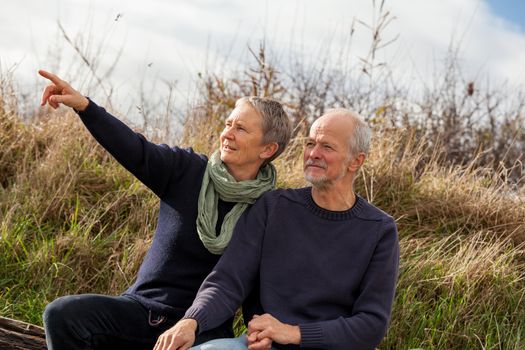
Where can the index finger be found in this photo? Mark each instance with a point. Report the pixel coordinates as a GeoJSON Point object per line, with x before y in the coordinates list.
{"type": "Point", "coordinates": [55, 79]}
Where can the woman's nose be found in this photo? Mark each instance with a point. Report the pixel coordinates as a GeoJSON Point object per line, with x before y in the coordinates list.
{"type": "Point", "coordinates": [228, 132]}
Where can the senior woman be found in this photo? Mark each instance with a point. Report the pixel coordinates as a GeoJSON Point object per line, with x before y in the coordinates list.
{"type": "Point", "coordinates": [200, 202]}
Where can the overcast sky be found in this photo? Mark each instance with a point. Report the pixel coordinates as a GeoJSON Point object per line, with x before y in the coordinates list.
{"type": "Point", "coordinates": [175, 39]}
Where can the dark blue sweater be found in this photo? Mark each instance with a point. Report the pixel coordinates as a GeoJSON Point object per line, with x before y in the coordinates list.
{"type": "Point", "coordinates": [177, 262]}
{"type": "Point", "coordinates": [331, 273]}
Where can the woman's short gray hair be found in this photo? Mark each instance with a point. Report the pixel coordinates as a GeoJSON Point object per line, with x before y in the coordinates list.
{"type": "Point", "coordinates": [276, 124]}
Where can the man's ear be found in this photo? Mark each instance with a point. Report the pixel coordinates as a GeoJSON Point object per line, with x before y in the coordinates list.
{"type": "Point", "coordinates": [269, 150]}
{"type": "Point", "coordinates": [356, 162]}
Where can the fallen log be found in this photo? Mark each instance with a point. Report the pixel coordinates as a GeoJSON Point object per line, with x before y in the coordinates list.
{"type": "Point", "coordinates": [18, 335]}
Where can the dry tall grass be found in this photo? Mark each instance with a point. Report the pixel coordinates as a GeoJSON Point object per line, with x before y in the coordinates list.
{"type": "Point", "coordinates": [74, 221]}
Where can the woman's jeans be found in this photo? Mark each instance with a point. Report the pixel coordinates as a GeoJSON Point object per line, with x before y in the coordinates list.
{"type": "Point", "coordinates": [91, 321]}
{"type": "Point", "coordinates": [225, 344]}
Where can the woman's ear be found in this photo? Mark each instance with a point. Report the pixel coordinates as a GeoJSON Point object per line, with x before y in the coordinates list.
{"type": "Point", "coordinates": [269, 150]}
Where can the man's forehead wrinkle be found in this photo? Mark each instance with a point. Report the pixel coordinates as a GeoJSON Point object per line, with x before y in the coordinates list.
{"type": "Point", "coordinates": [317, 129]}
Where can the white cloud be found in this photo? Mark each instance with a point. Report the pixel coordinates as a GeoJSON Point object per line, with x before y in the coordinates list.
{"type": "Point", "coordinates": [487, 43]}
{"type": "Point", "coordinates": [178, 35]}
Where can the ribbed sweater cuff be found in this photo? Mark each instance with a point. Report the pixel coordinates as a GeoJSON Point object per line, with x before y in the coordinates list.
{"type": "Point", "coordinates": [311, 335]}
{"type": "Point", "coordinates": [91, 105]}
{"type": "Point", "coordinates": [198, 315]}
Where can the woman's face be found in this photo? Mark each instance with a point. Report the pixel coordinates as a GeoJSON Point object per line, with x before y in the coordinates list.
{"type": "Point", "coordinates": [242, 148]}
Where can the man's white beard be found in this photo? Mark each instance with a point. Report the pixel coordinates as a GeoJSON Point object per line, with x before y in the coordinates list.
{"type": "Point", "coordinates": [319, 182]}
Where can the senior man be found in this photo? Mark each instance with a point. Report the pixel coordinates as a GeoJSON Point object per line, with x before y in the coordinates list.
{"type": "Point", "coordinates": [325, 262]}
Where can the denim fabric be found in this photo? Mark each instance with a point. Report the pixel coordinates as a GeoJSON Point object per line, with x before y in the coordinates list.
{"type": "Point", "coordinates": [225, 344]}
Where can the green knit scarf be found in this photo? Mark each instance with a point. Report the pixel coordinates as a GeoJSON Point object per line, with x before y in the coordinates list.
{"type": "Point", "coordinates": [219, 183]}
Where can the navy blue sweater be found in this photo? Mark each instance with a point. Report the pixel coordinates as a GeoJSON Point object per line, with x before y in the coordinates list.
{"type": "Point", "coordinates": [331, 273]}
{"type": "Point", "coordinates": [177, 262]}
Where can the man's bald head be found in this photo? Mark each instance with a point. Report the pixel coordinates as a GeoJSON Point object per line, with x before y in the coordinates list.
{"type": "Point", "coordinates": [352, 124]}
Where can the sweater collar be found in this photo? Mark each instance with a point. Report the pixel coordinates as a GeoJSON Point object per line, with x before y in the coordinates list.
{"type": "Point", "coordinates": [306, 193]}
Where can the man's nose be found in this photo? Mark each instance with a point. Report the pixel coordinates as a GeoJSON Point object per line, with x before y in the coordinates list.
{"type": "Point", "coordinates": [314, 152]}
